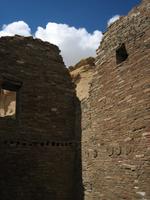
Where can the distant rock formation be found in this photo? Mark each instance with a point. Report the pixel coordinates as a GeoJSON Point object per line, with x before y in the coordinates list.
{"type": "Point", "coordinates": [82, 74]}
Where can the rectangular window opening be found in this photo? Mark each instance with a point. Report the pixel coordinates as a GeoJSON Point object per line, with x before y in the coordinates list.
{"type": "Point", "coordinates": [7, 103]}
{"type": "Point", "coordinates": [8, 98]}
{"type": "Point", "coordinates": [121, 54]}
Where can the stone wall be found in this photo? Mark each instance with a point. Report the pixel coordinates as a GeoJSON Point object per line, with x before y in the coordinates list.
{"type": "Point", "coordinates": [40, 147]}
{"type": "Point", "coordinates": [38, 153]}
{"type": "Point", "coordinates": [115, 116]}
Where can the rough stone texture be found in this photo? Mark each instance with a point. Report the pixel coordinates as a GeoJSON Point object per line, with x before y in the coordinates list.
{"type": "Point", "coordinates": [82, 74]}
{"type": "Point", "coordinates": [116, 115]}
{"type": "Point", "coordinates": [38, 151]}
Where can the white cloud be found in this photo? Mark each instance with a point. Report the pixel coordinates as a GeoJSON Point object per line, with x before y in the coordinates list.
{"type": "Point", "coordinates": [15, 28]}
{"type": "Point", "coordinates": [112, 20]}
{"type": "Point", "coordinates": [74, 43]}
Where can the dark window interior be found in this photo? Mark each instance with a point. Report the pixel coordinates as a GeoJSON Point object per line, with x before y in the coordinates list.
{"type": "Point", "coordinates": [121, 54]}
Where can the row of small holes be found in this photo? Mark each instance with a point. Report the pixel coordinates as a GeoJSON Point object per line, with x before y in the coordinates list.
{"type": "Point", "coordinates": [41, 143]}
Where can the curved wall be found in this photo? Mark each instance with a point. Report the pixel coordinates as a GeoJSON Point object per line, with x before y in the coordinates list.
{"type": "Point", "coordinates": [37, 146]}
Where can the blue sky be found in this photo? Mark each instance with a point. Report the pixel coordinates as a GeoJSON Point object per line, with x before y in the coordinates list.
{"type": "Point", "coordinates": [76, 27]}
{"type": "Point", "coordinates": [91, 14]}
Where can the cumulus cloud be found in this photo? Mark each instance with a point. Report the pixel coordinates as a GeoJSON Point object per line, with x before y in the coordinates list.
{"type": "Point", "coordinates": [74, 43]}
{"type": "Point", "coordinates": [15, 28]}
{"type": "Point", "coordinates": [112, 20]}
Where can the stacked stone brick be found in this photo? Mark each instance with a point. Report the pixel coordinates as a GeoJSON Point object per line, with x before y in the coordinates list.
{"type": "Point", "coordinates": [115, 116]}
{"type": "Point", "coordinates": [38, 146]}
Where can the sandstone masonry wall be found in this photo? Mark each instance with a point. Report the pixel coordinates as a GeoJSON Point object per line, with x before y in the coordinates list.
{"type": "Point", "coordinates": [37, 148]}
{"type": "Point", "coordinates": [40, 147]}
{"type": "Point", "coordinates": [115, 116]}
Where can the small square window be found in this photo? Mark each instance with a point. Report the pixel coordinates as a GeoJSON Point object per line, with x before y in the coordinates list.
{"type": "Point", "coordinates": [121, 54]}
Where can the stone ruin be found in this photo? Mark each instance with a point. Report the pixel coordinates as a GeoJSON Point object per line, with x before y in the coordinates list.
{"type": "Point", "coordinates": [54, 146]}
{"type": "Point", "coordinates": [39, 157]}
{"type": "Point", "coordinates": [116, 111]}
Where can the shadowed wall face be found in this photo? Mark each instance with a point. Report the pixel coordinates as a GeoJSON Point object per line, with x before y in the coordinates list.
{"type": "Point", "coordinates": [37, 122]}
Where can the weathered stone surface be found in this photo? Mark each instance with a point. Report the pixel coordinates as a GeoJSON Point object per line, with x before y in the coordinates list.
{"type": "Point", "coordinates": [115, 115]}
{"type": "Point", "coordinates": [40, 147]}
{"type": "Point", "coordinates": [38, 154]}
{"type": "Point", "coordinates": [82, 74]}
